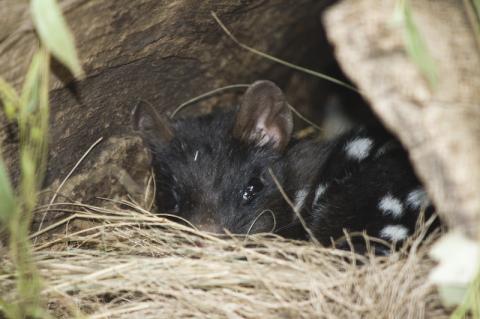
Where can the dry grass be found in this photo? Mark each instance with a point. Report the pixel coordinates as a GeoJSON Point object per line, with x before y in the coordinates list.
{"type": "Point", "coordinates": [133, 264]}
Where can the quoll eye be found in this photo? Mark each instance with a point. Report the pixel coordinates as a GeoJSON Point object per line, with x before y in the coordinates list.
{"type": "Point", "coordinates": [254, 186]}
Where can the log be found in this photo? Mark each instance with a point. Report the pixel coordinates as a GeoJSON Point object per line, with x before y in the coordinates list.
{"type": "Point", "coordinates": [164, 52]}
{"type": "Point", "coordinates": [439, 126]}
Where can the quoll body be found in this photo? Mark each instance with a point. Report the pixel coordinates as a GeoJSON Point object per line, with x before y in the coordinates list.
{"type": "Point", "coordinates": [241, 171]}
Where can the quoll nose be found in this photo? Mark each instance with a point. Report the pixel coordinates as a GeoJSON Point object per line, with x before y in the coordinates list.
{"type": "Point", "coordinates": [210, 228]}
{"type": "Point", "coordinates": [207, 220]}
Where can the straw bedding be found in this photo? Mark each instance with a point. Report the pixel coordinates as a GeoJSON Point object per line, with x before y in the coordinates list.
{"type": "Point", "coordinates": [132, 264]}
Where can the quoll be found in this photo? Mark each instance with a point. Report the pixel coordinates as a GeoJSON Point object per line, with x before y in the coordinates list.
{"type": "Point", "coordinates": [222, 171]}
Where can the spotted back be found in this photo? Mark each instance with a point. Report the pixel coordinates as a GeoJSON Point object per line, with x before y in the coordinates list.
{"type": "Point", "coordinates": [366, 184]}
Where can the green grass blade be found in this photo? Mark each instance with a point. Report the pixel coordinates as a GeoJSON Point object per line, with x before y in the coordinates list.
{"type": "Point", "coordinates": [9, 98]}
{"type": "Point", "coordinates": [470, 308]}
{"type": "Point", "coordinates": [55, 33]}
{"type": "Point", "coordinates": [29, 97]}
{"type": "Point", "coordinates": [31, 112]}
{"type": "Point", "coordinates": [7, 196]}
{"type": "Point", "coordinates": [33, 122]}
{"type": "Point", "coordinates": [476, 4]}
{"type": "Point", "coordinates": [415, 43]}
{"type": "Point", "coordinates": [33, 131]}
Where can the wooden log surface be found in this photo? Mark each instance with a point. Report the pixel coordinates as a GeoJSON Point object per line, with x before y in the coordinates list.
{"type": "Point", "coordinates": [164, 52]}
{"type": "Point", "coordinates": [440, 126]}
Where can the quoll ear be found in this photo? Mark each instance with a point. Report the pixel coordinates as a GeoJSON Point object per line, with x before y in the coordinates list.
{"type": "Point", "coordinates": [153, 127]}
{"type": "Point", "coordinates": [264, 117]}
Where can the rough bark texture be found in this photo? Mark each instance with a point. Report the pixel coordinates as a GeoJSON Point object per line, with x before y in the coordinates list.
{"type": "Point", "coordinates": [440, 127]}
{"type": "Point", "coordinates": [164, 52]}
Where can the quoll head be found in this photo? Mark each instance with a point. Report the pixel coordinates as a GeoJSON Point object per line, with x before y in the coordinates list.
{"type": "Point", "coordinates": [213, 170]}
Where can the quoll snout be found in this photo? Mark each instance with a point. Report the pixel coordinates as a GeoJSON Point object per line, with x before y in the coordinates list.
{"type": "Point", "coordinates": [221, 172]}
{"type": "Point", "coordinates": [209, 225]}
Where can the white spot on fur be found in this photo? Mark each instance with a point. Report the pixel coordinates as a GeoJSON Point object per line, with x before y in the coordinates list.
{"type": "Point", "coordinates": [195, 157]}
{"type": "Point", "coordinates": [417, 198]}
{"type": "Point", "coordinates": [391, 206]}
{"type": "Point", "coordinates": [319, 192]}
{"type": "Point", "coordinates": [300, 197]}
{"type": "Point", "coordinates": [359, 148]}
{"type": "Point", "coordinates": [394, 232]}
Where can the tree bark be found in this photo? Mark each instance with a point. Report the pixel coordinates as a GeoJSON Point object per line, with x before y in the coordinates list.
{"type": "Point", "coordinates": [164, 52]}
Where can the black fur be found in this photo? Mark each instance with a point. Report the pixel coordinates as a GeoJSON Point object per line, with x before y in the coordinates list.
{"type": "Point", "coordinates": [354, 188]}
{"type": "Point", "coordinates": [217, 171]}
{"type": "Point", "coordinates": [207, 170]}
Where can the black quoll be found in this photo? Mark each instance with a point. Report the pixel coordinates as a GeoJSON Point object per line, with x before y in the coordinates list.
{"type": "Point", "coordinates": [232, 171]}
